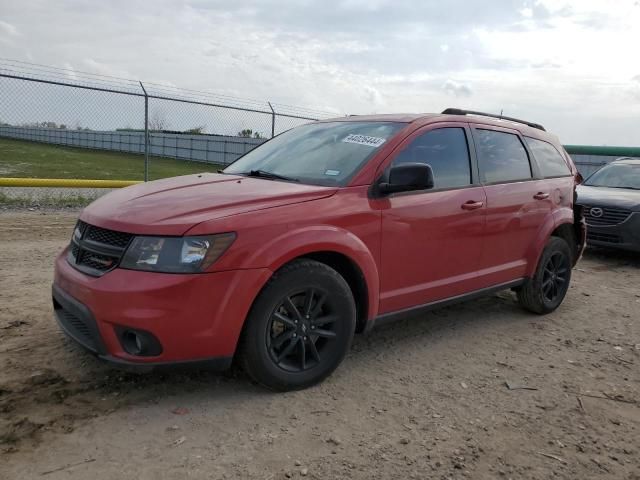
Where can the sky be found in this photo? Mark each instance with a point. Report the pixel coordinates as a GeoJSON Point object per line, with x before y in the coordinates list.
{"type": "Point", "coordinates": [573, 66]}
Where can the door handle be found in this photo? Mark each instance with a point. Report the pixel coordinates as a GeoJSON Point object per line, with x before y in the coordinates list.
{"type": "Point", "coordinates": [541, 196]}
{"type": "Point", "coordinates": [471, 205]}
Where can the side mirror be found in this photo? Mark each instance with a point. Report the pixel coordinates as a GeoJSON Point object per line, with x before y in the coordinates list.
{"type": "Point", "coordinates": [407, 177]}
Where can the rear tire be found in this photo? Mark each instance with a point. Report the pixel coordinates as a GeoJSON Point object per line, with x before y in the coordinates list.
{"type": "Point", "coordinates": [545, 291]}
{"type": "Point", "coordinates": [299, 328]}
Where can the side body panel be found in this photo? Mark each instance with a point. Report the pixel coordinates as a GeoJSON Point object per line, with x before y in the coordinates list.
{"type": "Point", "coordinates": [514, 219]}
{"type": "Point", "coordinates": [521, 215]}
{"type": "Point", "coordinates": [431, 245]}
{"type": "Point", "coordinates": [562, 213]}
{"type": "Point", "coordinates": [345, 223]}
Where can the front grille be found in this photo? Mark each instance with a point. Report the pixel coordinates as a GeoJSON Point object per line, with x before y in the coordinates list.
{"type": "Point", "coordinates": [108, 237]}
{"type": "Point", "coordinates": [603, 237]}
{"type": "Point", "coordinates": [597, 216]}
{"type": "Point", "coordinates": [96, 261]}
{"type": "Point", "coordinates": [95, 250]}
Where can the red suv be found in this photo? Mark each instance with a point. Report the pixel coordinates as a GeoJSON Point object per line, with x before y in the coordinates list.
{"type": "Point", "coordinates": [326, 230]}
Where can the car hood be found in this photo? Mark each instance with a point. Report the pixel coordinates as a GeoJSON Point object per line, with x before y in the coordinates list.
{"type": "Point", "coordinates": [609, 197]}
{"type": "Point", "coordinates": [174, 205]}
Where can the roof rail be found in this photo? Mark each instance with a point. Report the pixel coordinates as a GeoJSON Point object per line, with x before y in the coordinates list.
{"type": "Point", "coordinates": [458, 111]}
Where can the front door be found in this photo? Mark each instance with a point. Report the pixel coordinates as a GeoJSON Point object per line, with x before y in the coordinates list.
{"type": "Point", "coordinates": [432, 240]}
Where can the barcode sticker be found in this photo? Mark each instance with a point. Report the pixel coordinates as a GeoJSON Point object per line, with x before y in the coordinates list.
{"type": "Point", "coordinates": [374, 142]}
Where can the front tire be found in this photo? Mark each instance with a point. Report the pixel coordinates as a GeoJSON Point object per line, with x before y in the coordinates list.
{"type": "Point", "coordinates": [299, 328]}
{"type": "Point", "coordinates": [545, 291]}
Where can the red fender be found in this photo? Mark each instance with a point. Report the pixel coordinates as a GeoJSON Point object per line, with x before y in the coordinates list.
{"type": "Point", "coordinates": [296, 243]}
{"type": "Point", "coordinates": [554, 220]}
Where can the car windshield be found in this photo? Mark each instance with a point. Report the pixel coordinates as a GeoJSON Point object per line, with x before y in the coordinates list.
{"type": "Point", "coordinates": [326, 153]}
{"type": "Point", "coordinates": [617, 175]}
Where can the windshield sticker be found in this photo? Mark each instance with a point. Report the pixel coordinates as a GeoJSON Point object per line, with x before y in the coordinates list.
{"type": "Point", "coordinates": [374, 142]}
{"type": "Point", "coordinates": [333, 173]}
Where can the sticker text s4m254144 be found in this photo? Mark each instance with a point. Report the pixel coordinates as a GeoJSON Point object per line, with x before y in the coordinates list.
{"type": "Point", "coordinates": [374, 142]}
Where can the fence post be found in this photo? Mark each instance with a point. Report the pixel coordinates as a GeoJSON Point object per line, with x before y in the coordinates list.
{"type": "Point", "coordinates": [273, 120]}
{"type": "Point", "coordinates": [146, 133]}
{"type": "Point", "coordinates": [224, 151]}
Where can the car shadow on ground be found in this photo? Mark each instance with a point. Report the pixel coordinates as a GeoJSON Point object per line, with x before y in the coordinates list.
{"type": "Point", "coordinates": [390, 340]}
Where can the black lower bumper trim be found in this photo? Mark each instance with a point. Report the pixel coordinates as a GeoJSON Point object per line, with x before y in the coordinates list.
{"type": "Point", "coordinates": [77, 321]}
{"type": "Point", "coordinates": [214, 364]}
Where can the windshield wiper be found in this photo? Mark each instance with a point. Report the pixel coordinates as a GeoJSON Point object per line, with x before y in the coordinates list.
{"type": "Point", "coordinates": [268, 175]}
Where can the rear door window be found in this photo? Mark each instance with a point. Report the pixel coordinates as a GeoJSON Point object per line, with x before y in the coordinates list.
{"type": "Point", "coordinates": [549, 159]}
{"type": "Point", "coordinates": [501, 157]}
{"type": "Point", "coordinates": [446, 151]}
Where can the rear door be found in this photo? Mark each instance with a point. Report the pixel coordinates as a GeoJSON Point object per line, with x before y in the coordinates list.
{"type": "Point", "coordinates": [518, 202]}
{"type": "Point", "coordinates": [554, 168]}
{"type": "Point", "coordinates": [432, 239]}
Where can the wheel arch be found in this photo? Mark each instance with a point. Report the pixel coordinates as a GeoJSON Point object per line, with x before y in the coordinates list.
{"type": "Point", "coordinates": [337, 248]}
{"type": "Point", "coordinates": [351, 272]}
{"type": "Point", "coordinates": [567, 232]}
{"type": "Point", "coordinates": [559, 223]}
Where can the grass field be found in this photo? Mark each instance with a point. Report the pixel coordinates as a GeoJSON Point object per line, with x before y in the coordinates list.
{"type": "Point", "coordinates": [19, 158]}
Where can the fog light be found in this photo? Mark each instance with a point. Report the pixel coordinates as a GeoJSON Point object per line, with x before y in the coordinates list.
{"type": "Point", "coordinates": [132, 343]}
{"type": "Point", "coordinates": [139, 342]}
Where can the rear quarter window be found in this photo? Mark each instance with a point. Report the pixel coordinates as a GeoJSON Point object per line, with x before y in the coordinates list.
{"type": "Point", "coordinates": [551, 163]}
{"type": "Point", "coordinates": [502, 157]}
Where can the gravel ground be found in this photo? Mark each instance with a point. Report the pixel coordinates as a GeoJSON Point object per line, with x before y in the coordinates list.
{"type": "Point", "coordinates": [422, 398]}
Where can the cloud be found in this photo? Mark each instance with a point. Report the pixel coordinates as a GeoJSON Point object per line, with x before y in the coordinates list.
{"type": "Point", "coordinates": [534, 58]}
{"type": "Point", "coordinates": [398, 79]}
{"type": "Point", "coordinates": [635, 88]}
{"type": "Point", "coordinates": [101, 68]}
{"type": "Point", "coordinates": [8, 29]}
{"type": "Point", "coordinates": [457, 89]}
{"type": "Point", "coordinates": [527, 12]}
{"type": "Point", "coordinates": [70, 71]}
{"type": "Point", "coordinates": [373, 96]}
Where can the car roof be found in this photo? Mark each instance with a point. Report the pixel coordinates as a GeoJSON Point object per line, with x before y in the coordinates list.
{"type": "Point", "coordinates": [383, 117]}
{"type": "Point", "coordinates": [627, 161]}
{"type": "Point", "coordinates": [427, 118]}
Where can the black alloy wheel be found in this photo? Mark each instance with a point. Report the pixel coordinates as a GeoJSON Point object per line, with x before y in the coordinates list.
{"type": "Point", "coordinates": [546, 289]}
{"type": "Point", "coordinates": [554, 277]}
{"type": "Point", "coordinates": [300, 327]}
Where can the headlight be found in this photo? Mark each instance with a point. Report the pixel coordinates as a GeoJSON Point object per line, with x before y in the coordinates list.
{"type": "Point", "coordinates": [176, 254]}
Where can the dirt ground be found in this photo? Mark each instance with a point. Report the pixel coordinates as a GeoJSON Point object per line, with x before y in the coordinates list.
{"type": "Point", "coordinates": [421, 398]}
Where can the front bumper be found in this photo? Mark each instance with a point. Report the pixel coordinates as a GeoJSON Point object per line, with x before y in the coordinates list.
{"type": "Point", "coordinates": [623, 236]}
{"type": "Point", "coordinates": [195, 318]}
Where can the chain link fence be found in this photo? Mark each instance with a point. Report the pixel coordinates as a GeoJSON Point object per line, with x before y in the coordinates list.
{"type": "Point", "coordinates": [60, 123]}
